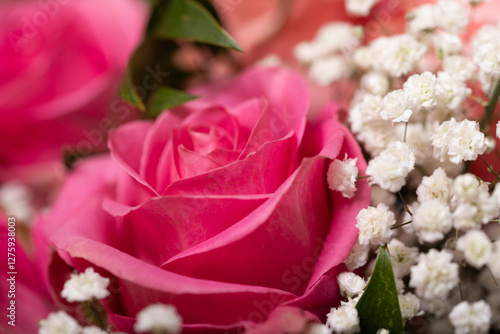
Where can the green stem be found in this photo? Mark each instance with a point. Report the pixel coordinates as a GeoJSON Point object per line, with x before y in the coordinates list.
{"type": "Point", "coordinates": [490, 108]}
{"type": "Point", "coordinates": [490, 168]}
{"type": "Point", "coordinates": [403, 224]}
{"type": "Point", "coordinates": [406, 208]}
{"type": "Point", "coordinates": [95, 313]}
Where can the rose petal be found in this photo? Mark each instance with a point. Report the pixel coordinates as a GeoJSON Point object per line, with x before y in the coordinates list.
{"type": "Point", "coordinates": [235, 255]}
{"type": "Point", "coordinates": [127, 144]}
{"type": "Point", "coordinates": [343, 232]}
{"type": "Point", "coordinates": [259, 173]}
{"type": "Point", "coordinates": [284, 320]}
{"type": "Point", "coordinates": [285, 92]}
{"type": "Point", "coordinates": [163, 227]}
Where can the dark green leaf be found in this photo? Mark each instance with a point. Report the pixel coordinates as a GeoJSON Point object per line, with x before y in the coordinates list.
{"type": "Point", "coordinates": [189, 19]}
{"type": "Point", "coordinates": [378, 307]}
{"type": "Point", "coordinates": [165, 98]}
{"type": "Point", "coordinates": [129, 93]}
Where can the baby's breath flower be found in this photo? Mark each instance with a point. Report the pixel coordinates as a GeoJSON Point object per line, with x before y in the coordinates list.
{"type": "Point", "coordinates": [460, 141]}
{"type": "Point", "coordinates": [434, 275]}
{"type": "Point", "coordinates": [451, 90]}
{"type": "Point", "coordinates": [59, 322]}
{"type": "Point", "coordinates": [307, 52]}
{"type": "Point", "coordinates": [93, 330]}
{"type": "Point", "coordinates": [85, 286]}
{"type": "Point", "coordinates": [359, 7]}
{"type": "Point", "coordinates": [471, 318]}
{"type": "Point", "coordinates": [487, 57]}
{"type": "Point", "coordinates": [374, 224]}
{"type": "Point", "coordinates": [498, 130]}
{"type": "Point", "coordinates": [476, 247]}
{"type": "Point", "coordinates": [343, 320]}
{"type": "Point", "coordinates": [398, 106]}
{"type": "Point", "coordinates": [452, 16]}
{"type": "Point", "coordinates": [375, 83]}
{"type": "Point", "coordinates": [466, 187]}
{"type": "Point", "coordinates": [402, 257]}
{"type": "Point", "coordinates": [432, 220]}
{"type": "Point", "coordinates": [350, 284]}
{"type": "Point", "coordinates": [338, 36]}
{"type": "Point", "coordinates": [447, 44]}
{"type": "Point", "coordinates": [459, 66]}
{"type": "Point", "coordinates": [396, 55]}
{"type": "Point", "coordinates": [390, 168]}
{"type": "Point", "coordinates": [158, 317]}
{"type": "Point", "coordinates": [16, 200]}
{"type": "Point", "coordinates": [421, 87]}
{"type": "Point", "coordinates": [317, 328]}
{"type": "Point", "coordinates": [358, 256]}
{"type": "Point", "coordinates": [474, 204]}
{"type": "Point", "coordinates": [409, 304]}
{"type": "Point", "coordinates": [437, 186]}
{"type": "Point", "coordinates": [341, 176]}
{"type": "Point", "coordinates": [422, 18]}
{"type": "Point", "coordinates": [364, 112]}
{"type": "Point", "coordinates": [362, 57]}
{"type": "Point", "coordinates": [327, 70]}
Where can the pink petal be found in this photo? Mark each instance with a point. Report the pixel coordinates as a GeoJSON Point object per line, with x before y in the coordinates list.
{"type": "Point", "coordinates": [259, 173]}
{"type": "Point", "coordinates": [127, 144]}
{"type": "Point", "coordinates": [166, 226]}
{"type": "Point", "coordinates": [287, 230]}
{"type": "Point", "coordinates": [285, 319]}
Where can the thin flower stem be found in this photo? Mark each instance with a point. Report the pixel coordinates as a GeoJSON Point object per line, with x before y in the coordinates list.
{"type": "Point", "coordinates": [362, 177]}
{"type": "Point", "coordinates": [403, 224]}
{"type": "Point", "coordinates": [491, 274]}
{"type": "Point", "coordinates": [461, 293]}
{"type": "Point", "coordinates": [490, 108]}
{"type": "Point", "coordinates": [407, 209]}
{"type": "Point", "coordinates": [406, 129]}
{"type": "Point", "coordinates": [490, 168]}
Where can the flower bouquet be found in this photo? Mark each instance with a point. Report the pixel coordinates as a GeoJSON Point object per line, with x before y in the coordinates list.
{"type": "Point", "coordinates": [262, 167]}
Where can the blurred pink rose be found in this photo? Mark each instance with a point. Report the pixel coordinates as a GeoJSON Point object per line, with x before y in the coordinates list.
{"type": "Point", "coordinates": [220, 207]}
{"type": "Point", "coordinates": [24, 301]}
{"type": "Point", "coordinates": [60, 64]}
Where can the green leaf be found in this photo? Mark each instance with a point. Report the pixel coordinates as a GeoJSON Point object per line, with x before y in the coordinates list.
{"type": "Point", "coordinates": [189, 19]}
{"type": "Point", "coordinates": [129, 93]}
{"type": "Point", "coordinates": [378, 307]}
{"type": "Point", "coordinates": [166, 98]}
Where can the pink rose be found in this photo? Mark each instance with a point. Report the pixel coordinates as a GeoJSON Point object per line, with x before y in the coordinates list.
{"type": "Point", "coordinates": [24, 301]}
{"type": "Point", "coordinates": [220, 208]}
{"type": "Point", "coordinates": [61, 62]}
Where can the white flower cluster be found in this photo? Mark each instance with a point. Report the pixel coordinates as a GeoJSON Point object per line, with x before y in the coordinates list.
{"type": "Point", "coordinates": [341, 176]}
{"type": "Point", "coordinates": [391, 167]}
{"type": "Point", "coordinates": [359, 7]}
{"type": "Point", "coordinates": [325, 53]}
{"type": "Point", "coordinates": [158, 318]}
{"type": "Point", "coordinates": [62, 323]}
{"type": "Point", "coordinates": [374, 224]}
{"type": "Point", "coordinates": [416, 116]}
{"type": "Point", "coordinates": [458, 141]}
{"type": "Point", "coordinates": [85, 286]}
{"type": "Point", "coordinates": [446, 14]}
